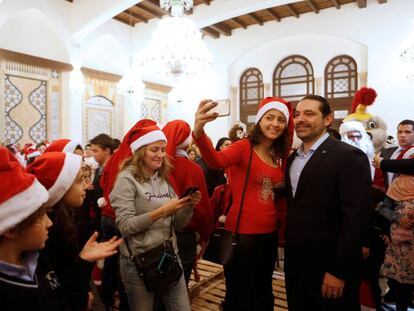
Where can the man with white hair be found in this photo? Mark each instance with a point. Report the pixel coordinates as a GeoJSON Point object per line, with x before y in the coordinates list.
{"type": "Point", "coordinates": [354, 133]}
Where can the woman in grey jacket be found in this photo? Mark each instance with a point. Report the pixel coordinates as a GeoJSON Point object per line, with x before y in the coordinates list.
{"type": "Point", "coordinates": [145, 204]}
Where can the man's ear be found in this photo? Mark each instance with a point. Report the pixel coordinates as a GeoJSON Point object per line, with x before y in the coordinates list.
{"type": "Point", "coordinates": [328, 120]}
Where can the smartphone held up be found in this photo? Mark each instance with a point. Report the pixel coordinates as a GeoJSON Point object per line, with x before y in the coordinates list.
{"type": "Point", "coordinates": [222, 108]}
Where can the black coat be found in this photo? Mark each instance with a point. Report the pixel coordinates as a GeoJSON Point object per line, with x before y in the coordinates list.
{"type": "Point", "coordinates": [327, 216]}
{"type": "Point", "coordinates": [405, 166]}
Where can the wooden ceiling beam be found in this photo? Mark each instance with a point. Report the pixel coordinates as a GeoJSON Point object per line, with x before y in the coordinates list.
{"type": "Point", "coordinates": [256, 19]}
{"type": "Point", "coordinates": [136, 16]}
{"type": "Point", "coordinates": [153, 6]}
{"type": "Point", "coordinates": [153, 13]}
{"type": "Point", "coordinates": [273, 14]}
{"type": "Point", "coordinates": [292, 11]}
{"type": "Point", "coordinates": [117, 18]}
{"type": "Point", "coordinates": [222, 28]}
{"type": "Point", "coordinates": [210, 32]}
{"type": "Point", "coordinates": [336, 4]}
{"type": "Point", "coordinates": [239, 22]}
{"type": "Point", "coordinates": [313, 6]}
{"type": "Point", "coordinates": [362, 3]}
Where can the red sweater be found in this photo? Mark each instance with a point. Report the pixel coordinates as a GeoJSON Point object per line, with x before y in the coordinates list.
{"type": "Point", "coordinates": [259, 213]}
{"type": "Point", "coordinates": [187, 173]}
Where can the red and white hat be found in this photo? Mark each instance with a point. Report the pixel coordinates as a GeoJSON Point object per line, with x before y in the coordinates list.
{"type": "Point", "coordinates": [270, 103]}
{"type": "Point", "coordinates": [20, 195]}
{"type": "Point", "coordinates": [63, 145]}
{"type": "Point", "coordinates": [56, 171]}
{"type": "Point", "coordinates": [144, 132]}
{"type": "Point", "coordinates": [178, 133]}
{"type": "Point", "coordinates": [31, 152]}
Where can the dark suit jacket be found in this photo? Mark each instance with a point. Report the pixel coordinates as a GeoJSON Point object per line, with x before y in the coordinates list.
{"type": "Point", "coordinates": [386, 154]}
{"type": "Point", "coordinates": [405, 166]}
{"type": "Point", "coordinates": [325, 219]}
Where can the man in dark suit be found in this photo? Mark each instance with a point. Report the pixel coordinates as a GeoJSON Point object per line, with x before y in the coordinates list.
{"type": "Point", "coordinates": [328, 185]}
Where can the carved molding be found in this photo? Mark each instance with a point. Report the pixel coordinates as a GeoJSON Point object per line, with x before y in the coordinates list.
{"type": "Point", "coordinates": [34, 60]}
{"type": "Point", "coordinates": [102, 75]}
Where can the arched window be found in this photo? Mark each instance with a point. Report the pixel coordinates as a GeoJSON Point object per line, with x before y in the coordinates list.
{"type": "Point", "coordinates": [251, 93]}
{"type": "Point", "coordinates": [293, 78]}
{"type": "Point", "coordinates": [341, 77]}
{"type": "Point", "coordinates": [341, 82]}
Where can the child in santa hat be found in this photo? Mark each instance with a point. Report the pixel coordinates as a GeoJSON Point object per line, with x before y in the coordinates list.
{"type": "Point", "coordinates": [145, 205]}
{"type": "Point", "coordinates": [65, 145]}
{"type": "Point", "coordinates": [26, 279]}
{"type": "Point", "coordinates": [62, 175]}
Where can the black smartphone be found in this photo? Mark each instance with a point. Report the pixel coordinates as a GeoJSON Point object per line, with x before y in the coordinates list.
{"type": "Point", "coordinates": [165, 263]}
{"type": "Point", "coordinates": [188, 191]}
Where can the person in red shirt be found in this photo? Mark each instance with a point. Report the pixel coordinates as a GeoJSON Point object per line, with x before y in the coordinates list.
{"type": "Point", "coordinates": [249, 276]}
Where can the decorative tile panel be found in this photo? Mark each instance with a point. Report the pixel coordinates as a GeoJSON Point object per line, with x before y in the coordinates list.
{"type": "Point", "coordinates": [12, 98]}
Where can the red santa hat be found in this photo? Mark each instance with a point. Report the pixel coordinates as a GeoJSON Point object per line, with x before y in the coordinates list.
{"type": "Point", "coordinates": [20, 195]}
{"type": "Point", "coordinates": [270, 103]}
{"type": "Point", "coordinates": [178, 133]}
{"type": "Point", "coordinates": [63, 145]}
{"type": "Point", "coordinates": [31, 152]}
{"type": "Point", "coordinates": [56, 171]}
{"type": "Point", "coordinates": [144, 132]}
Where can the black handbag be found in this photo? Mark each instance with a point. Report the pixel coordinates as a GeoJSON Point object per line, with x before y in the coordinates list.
{"type": "Point", "coordinates": [222, 243]}
{"type": "Point", "coordinates": [159, 266]}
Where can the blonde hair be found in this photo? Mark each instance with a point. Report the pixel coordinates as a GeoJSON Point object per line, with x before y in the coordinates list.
{"type": "Point", "coordinates": [136, 161]}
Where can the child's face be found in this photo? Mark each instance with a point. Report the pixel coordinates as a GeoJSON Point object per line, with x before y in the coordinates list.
{"type": "Point", "coordinates": [35, 236]}
{"type": "Point", "coordinates": [75, 196]}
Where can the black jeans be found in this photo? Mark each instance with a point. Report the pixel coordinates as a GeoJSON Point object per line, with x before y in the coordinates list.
{"type": "Point", "coordinates": [249, 277]}
{"type": "Point", "coordinates": [187, 247]}
{"type": "Point", "coordinates": [403, 294]}
{"type": "Point", "coordinates": [111, 281]}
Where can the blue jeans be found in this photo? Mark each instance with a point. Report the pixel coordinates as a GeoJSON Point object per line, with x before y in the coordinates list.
{"type": "Point", "coordinates": [174, 296]}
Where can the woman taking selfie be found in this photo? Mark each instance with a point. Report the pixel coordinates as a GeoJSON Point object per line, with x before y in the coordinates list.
{"type": "Point", "coordinates": [255, 168]}
{"type": "Point", "coordinates": [147, 209]}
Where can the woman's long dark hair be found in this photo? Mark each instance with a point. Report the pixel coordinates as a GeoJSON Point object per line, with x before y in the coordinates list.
{"type": "Point", "coordinates": [280, 146]}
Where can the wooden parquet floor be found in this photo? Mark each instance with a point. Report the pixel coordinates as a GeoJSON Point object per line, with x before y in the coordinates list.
{"type": "Point", "coordinates": [208, 293]}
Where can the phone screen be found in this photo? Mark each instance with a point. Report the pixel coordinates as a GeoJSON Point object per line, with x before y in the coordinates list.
{"type": "Point", "coordinates": [222, 108]}
{"type": "Point", "coordinates": [165, 263]}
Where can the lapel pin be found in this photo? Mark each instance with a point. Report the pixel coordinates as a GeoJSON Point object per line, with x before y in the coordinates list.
{"type": "Point", "coordinates": [323, 151]}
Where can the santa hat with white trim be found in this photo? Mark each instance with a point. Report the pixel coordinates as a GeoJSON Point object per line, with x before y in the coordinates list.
{"type": "Point", "coordinates": [178, 133]}
{"type": "Point", "coordinates": [20, 195]}
{"type": "Point", "coordinates": [270, 103]}
{"type": "Point", "coordinates": [144, 132]}
{"type": "Point", "coordinates": [63, 145]}
{"type": "Point", "coordinates": [56, 171]}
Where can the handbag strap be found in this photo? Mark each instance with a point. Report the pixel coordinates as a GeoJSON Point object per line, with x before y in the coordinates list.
{"type": "Point", "coordinates": [244, 188]}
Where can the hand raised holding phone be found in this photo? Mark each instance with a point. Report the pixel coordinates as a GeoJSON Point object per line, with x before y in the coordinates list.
{"type": "Point", "coordinates": [207, 112]}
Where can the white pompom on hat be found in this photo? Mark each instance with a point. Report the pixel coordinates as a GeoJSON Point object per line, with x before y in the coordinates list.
{"type": "Point", "coordinates": [56, 171]}
{"type": "Point", "coordinates": [20, 195]}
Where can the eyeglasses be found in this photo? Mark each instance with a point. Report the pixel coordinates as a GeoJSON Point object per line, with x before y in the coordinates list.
{"type": "Point", "coordinates": [354, 136]}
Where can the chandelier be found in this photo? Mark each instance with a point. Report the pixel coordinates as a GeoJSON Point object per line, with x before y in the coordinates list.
{"type": "Point", "coordinates": [177, 6]}
{"type": "Point", "coordinates": [407, 56]}
{"type": "Point", "coordinates": [176, 50]}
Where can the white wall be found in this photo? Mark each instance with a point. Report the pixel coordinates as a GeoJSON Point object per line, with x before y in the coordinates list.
{"type": "Point", "coordinates": [372, 35]}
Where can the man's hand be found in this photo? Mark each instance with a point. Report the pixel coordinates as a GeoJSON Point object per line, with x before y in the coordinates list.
{"type": "Point", "coordinates": [376, 162]}
{"type": "Point", "coordinates": [332, 287]}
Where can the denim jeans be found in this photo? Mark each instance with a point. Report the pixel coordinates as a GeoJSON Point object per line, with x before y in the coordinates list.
{"type": "Point", "coordinates": [174, 296]}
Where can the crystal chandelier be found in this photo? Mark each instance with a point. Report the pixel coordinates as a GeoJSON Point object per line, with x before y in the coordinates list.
{"type": "Point", "coordinates": [407, 56]}
{"type": "Point", "coordinates": [177, 6]}
{"type": "Point", "coordinates": [176, 50]}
